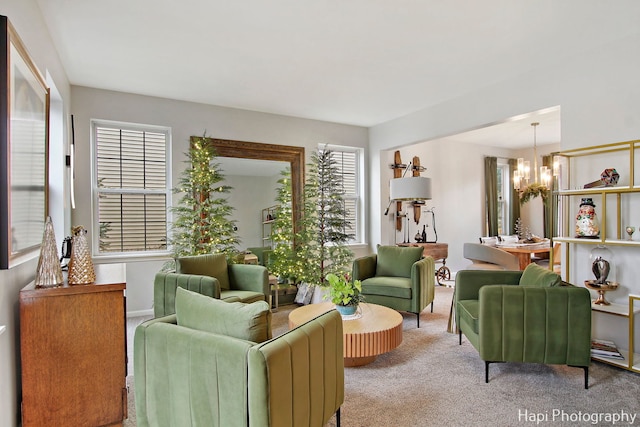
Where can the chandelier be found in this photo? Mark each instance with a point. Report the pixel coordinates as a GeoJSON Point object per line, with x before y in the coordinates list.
{"type": "Point", "coordinates": [522, 174]}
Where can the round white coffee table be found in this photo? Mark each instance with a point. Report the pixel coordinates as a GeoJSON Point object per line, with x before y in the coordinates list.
{"type": "Point", "coordinates": [378, 331]}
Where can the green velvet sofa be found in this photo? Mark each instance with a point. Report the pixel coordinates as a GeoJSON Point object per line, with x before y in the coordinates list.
{"type": "Point", "coordinates": [531, 316]}
{"type": "Point", "coordinates": [189, 375]}
{"type": "Point", "coordinates": [398, 278]}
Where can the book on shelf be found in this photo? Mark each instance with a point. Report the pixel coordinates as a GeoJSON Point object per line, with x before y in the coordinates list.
{"type": "Point", "coordinates": [604, 348]}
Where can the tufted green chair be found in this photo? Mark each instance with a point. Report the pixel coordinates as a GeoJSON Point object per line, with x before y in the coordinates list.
{"type": "Point", "coordinates": [398, 278]}
{"type": "Point", "coordinates": [236, 282]}
{"type": "Point", "coordinates": [527, 316]}
{"type": "Point", "coordinates": [210, 365]}
{"type": "Point", "coordinates": [263, 253]}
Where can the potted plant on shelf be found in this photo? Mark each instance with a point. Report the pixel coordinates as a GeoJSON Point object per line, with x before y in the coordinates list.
{"type": "Point", "coordinates": [344, 292]}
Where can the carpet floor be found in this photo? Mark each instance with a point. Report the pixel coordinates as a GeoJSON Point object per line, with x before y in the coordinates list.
{"type": "Point", "coordinates": [430, 380]}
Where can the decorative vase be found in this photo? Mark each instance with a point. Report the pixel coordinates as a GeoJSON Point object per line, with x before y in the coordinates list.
{"type": "Point", "coordinates": [346, 310]}
{"type": "Point", "coordinates": [49, 272]}
{"type": "Point", "coordinates": [586, 220]}
{"type": "Point", "coordinates": [81, 270]}
{"type": "Point", "coordinates": [604, 269]}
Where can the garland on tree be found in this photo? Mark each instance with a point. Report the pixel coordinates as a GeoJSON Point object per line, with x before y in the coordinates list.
{"type": "Point", "coordinates": [202, 223]}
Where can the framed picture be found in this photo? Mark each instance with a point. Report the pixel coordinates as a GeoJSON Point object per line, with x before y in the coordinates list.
{"type": "Point", "coordinates": [24, 137]}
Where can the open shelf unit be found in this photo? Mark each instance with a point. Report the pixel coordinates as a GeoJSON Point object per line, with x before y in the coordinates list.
{"type": "Point", "coordinates": [631, 358]}
{"type": "Point", "coordinates": [611, 202]}
{"type": "Point", "coordinates": [268, 216]}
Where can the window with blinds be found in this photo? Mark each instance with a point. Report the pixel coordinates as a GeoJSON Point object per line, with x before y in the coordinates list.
{"type": "Point", "coordinates": [348, 163]}
{"type": "Point", "coordinates": [131, 185]}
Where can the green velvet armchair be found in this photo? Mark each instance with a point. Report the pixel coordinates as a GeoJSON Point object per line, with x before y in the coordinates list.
{"type": "Point", "coordinates": [530, 316]}
{"type": "Point", "coordinates": [236, 282]}
{"type": "Point", "coordinates": [188, 375]}
{"type": "Point", "coordinates": [263, 253]}
{"type": "Point", "coordinates": [398, 278]}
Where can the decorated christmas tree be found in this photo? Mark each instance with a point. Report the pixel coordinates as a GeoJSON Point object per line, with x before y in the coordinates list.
{"type": "Point", "coordinates": [284, 261]}
{"type": "Point", "coordinates": [323, 236]}
{"type": "Point", "coordinates": [202, 223]}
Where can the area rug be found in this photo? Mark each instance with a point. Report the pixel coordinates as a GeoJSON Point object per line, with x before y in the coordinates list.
{"type": "Point", "coordinates": [430, 380]}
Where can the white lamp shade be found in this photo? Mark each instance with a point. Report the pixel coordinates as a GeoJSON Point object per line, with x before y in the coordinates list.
{"type": "Point", "coordinates": [411, 188]}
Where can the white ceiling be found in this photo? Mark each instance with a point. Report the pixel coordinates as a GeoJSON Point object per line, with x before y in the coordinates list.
{"type": "Point", "coordinates": [360, 62]}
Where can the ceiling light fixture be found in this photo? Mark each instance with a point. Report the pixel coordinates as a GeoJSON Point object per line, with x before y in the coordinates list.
{"type": "Point", "coordinates": [522, 174]}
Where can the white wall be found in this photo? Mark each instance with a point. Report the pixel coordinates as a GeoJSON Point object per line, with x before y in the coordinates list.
{"type": "Point", "coordinates": [27, 20]}
{"type": "Point", "coordinates": [185, 119]}
{"type": "Point", "coordinates": [598, 91]}
{"type": "Point", "coordinates": [249, 196]}
{"type": "Point", "coordinates": [457, 189]}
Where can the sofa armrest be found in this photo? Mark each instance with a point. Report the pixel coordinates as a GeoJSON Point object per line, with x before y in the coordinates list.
{"type": "Point", "coordinates": [538, 325]}
{"type": "Point", "coordinates": [364, 267]}
{"type": "Point", "coordinates": [423, 282]}
{"type": "Point", "coordinates": [298, 377]}
{"type": "Point", "coordinates": [248, 277]}
{"type": "Point", "coordinates": [188, 377]}
{"type": "Point", "coordinates": [165, 285]}
{"type": "Point", "coordinates": [469, 282]}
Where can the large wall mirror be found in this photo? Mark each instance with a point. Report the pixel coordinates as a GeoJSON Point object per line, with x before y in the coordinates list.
{"type": "Point", "coordinates": [241, 161]}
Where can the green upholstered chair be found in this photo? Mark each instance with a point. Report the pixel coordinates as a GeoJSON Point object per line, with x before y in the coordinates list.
{"type": "Point", "coordinates": [165, 286]}
{"type": "Point", "coordinates": [397, 277]}
{"type": "Point", "coordinates": [236, 282]}
{"type": "Point", "coordinates": [524, 316]}
{"type": "Point", "coordinates": [262, 253]}
{"type": "Point", "coordinates": [186, 375]}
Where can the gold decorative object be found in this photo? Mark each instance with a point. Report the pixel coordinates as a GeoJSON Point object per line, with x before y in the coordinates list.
{"type": "Point", "coordinates": [601, 289]}
{"type": "Point", "coordinates": [81, 270]}
{"type": "Point", "coordinates": [603, 267]}
{"type": "Point", "coordinates": [49, 272]}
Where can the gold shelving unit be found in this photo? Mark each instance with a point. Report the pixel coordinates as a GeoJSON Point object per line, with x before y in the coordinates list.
{"type": "Point", "coordinates": [611, 225]}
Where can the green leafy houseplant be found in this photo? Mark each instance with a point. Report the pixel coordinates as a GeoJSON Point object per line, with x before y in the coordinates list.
{"type": "Point", "coordinates": [343, 291]}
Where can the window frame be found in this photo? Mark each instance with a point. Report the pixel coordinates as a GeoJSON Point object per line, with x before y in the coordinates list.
{"type": "Point", "coordinates": [359, 197]}
{"type": "Point", "coordinates": [96, 191]}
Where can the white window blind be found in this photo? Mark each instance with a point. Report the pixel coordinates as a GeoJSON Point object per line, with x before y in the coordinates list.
{"type": "Point", "coordinates": [348, 164]}
{"type": "Point", "coordinates": [131, 186]}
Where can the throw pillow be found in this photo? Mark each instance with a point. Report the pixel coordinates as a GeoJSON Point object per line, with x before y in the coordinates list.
{"type": "Point", "coordinates": [212, 265]}
{"type": "Point", "coordinates": [396, 261]}
{"type": "Point", "coordinates": [250, 322]}
{"type": "Point", "coordinates": [539, 277]}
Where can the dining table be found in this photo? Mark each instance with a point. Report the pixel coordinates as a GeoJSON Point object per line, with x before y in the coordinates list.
{"type": "Point", "coordinates": [524, 252]}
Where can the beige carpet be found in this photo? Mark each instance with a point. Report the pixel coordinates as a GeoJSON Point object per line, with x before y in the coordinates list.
{"type": "Point", "coordinates": [430, 380]}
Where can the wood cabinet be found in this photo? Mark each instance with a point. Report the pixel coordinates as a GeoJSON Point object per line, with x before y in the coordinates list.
{"type": "Point", "coordinates": [73, 352]}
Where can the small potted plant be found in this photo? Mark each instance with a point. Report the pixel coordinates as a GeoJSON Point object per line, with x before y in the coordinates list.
{"type": "Point", "coordinates": [344, 293]}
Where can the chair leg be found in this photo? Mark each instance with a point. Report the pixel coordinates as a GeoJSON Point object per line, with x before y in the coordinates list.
{"type": "Point", "coordinates": [459, 337]}
{"type": "Point", "coordinates": [338, 418]}
{"type": "Point", "coordinates": [432, 306]}
{"type": "Point", "coordinates": [418, 314]}
{"type": "Point", "coordinates": [586, 377]}
{"type": "Point", "coordinates": [486, 371]}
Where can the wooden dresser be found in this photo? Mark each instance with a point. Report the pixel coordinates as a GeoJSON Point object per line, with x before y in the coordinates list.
{"type": "Point", "coordinates": [73, 352]}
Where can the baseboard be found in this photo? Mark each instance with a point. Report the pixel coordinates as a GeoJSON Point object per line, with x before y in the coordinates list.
{"type": "Point", "coordinates": [139, 313]}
